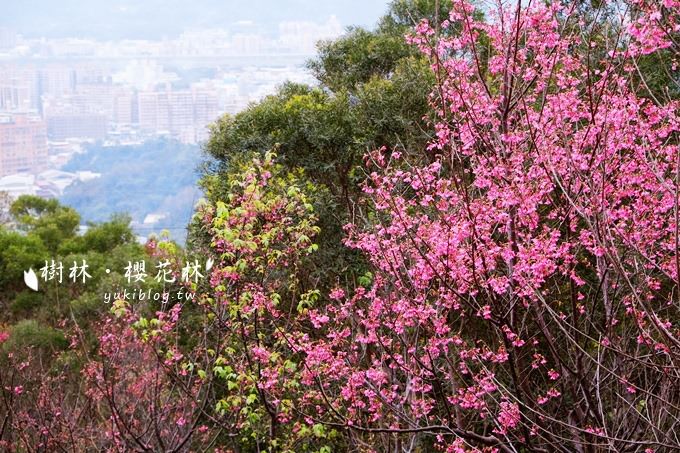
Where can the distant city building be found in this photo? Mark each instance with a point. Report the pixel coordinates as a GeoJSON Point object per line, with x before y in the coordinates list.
{"type": "Point", "coordinates": [19, 89]}
{"type": "Point", "coordinates": [125, 107]}
{"type": "Point", "coordinates": [57, 80]}
{"type": "Point", "coordinates": [72, 47]}
{"type": "Point", "coordinates": [151, 106]}
{"type": "Point", "coordinates": [144, 75]}
{"type": "Point", "coordinates": [23, 145]}
{"type": "Point", "coordinates": [92, 74]}
{"type": "Point", "coordinates": [93, 98]}
{"type": "Point", "coordinates": [128, 91]}
{"type": "Point", "coordinates": [19, 184]}
{"type": "Point", "coordinates": [182, 114]}
{"type": "Point", "coordinates": [248, 44]}
{"type": "Point", "coordinates": [206, 110]}
{"type": "Point", "coordinates": [90, 111]}
{"type": "Point", "coordinates": [49, 183]}
{"type": "Point", "coordinates": [16, 96]}
{"type": "Point", "coordinates": [62, 126]}
{"type": "Point", "coordinates": [302, 37]}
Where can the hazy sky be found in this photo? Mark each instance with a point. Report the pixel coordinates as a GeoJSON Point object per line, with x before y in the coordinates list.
{"type": "Point", "coordinates": [153, 19]}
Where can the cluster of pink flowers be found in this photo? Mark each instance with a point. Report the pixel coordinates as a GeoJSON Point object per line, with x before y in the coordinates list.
{"type": "Point", "coordinates": [523, 285]}
{"type": "Point", "coordinates": [546, 207]}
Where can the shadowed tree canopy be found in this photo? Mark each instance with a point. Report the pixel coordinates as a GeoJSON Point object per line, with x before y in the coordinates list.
{"type": "Point", "coordinates": [46, 218]}
{"type": "Point", "coordinates": [373, 93]}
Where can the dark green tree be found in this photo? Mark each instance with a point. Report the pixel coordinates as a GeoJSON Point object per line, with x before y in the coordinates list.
{"type": "Point", "coordinates": [46, 219]}
{"type": "Point", "coordinates": [373, 94]}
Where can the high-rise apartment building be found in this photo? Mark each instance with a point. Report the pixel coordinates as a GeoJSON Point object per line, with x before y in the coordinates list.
{"type": "Point", "coordinates": [124, 107]}
{"type": "Point", "coordinates": [206, 110]}
{"type": "Point", "coordinates": [19, 88]}
{"type": "Point", "coordinates": [65, 125]}
{"type": "Point", "coordinates": [183, 114]}
{"type": "Point", "coordinates": [23, 145]}
{"type": "Point", "coordinates": [153, 112]}
{"type": "Point", "coordinates": [57, 80]}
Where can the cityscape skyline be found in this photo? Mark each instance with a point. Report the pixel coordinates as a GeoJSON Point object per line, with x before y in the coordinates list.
{"type": "Point", "coordinates": [158, 19]}
{"type": "Point", "coordinates": [76, 90]}
{"type": "Point", "coordinates": [63, 93]}
{"type": "Point", "coordinates": [289, 37]}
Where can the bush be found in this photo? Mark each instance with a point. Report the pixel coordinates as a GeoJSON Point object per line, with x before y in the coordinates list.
{"type": "Point", "coordinates": [29, 333]}
{"type": "Point", "coordinates": [25, 302]}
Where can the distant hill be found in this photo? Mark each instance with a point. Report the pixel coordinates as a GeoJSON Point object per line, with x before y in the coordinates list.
{"type": "Point", "coordinates": [158, 176]}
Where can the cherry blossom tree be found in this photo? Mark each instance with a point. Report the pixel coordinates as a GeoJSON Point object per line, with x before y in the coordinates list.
{"type": "Point", "coordinates": [524, 293]}
{"type": "Point", "coordinates": [123, 395]}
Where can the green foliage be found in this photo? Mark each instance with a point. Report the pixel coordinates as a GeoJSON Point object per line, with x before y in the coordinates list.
{"type": "Point", "coordinates": [29, 333]}
{"type": "Point", "coordinates": [45, 218]}
{"type": "Point", "coordinates": [86, 306]}
{"type": "Point", "coordinates": [403, 15]}
{"type": "Point", "coordinates": [361, 55]}
{"type": "Point", "coordinates": [656, 78]}
{"type": "Point", "coordinates": [18, 253]}
{"type": "Point", "coordinates": [390, 111]}
{"type": "Point", "coordinates": [309, 128]}
{"type": "Point", "coordinates": [102, 237]}
{"type": "Point", "coordinates": [47, 233]}
{"type": "Point", "coordinates": [261, 223]}
{"type": "Point", "coordinates": [25, 302]}
{"type": "Point", "coordinates": [357, 57]}
{"type": "Point", "coordinates": [250, 219]}
{"type": "Point", "coordinates": [373, 94]}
